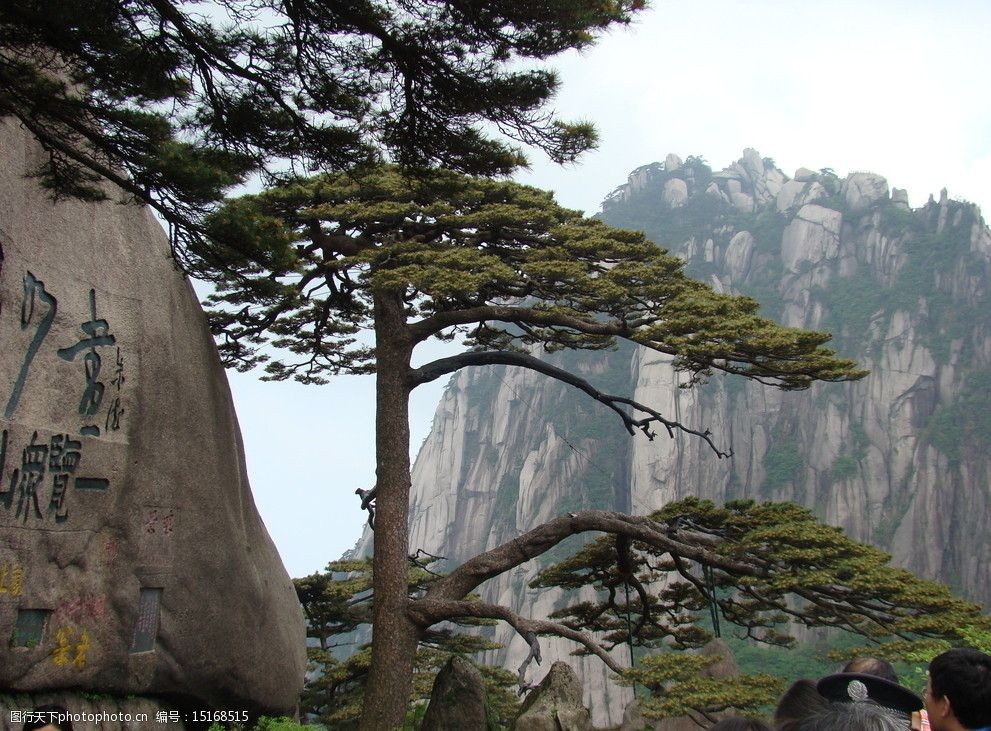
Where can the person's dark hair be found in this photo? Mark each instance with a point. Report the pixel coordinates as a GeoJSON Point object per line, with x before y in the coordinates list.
{"type": "Point", "coordinates": [964, 676]}
{"type": "Point", "coordinates": [50, 714]}
{"type": "Point", "coordinates": [871, 666]}
{"type": "Point", "coordinates": [800, 701]}
{"type": "Point", "coordinates": [739, 723]}
{"type": "Point", "coordinates": [863, 716]}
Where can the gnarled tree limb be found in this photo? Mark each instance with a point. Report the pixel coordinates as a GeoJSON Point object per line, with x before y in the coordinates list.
{"type": "Point", "coordinates": [368, 503]}
{"type": "Point", "coordinates": [467, 577]}
{"type": "Point", "coordinates": [442, 366]}
{"type": "Point", "coordinates": [423, 329]}
{"type": "Point", "coordinates": [426, 612]}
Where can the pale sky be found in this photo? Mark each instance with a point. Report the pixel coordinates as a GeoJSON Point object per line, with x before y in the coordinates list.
{"type": "Point", "coordinates": [895, 88]}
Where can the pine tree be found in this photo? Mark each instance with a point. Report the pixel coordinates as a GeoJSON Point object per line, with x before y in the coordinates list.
{"type": "Point", "coordinates": [177, 101]}
{"type": "Point", "coordinates": [320, 261]}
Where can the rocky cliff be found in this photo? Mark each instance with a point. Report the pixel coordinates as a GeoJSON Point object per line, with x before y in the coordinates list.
{"type": "Point", "coordinates": [899, 459]}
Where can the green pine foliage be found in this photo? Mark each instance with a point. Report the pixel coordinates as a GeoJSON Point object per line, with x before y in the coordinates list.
{"type": "Point", "coordinates": [312, 265]}
{"type": "Point", "coordinates": [336, 604]}
{"type": "Point", "coordinates": [755, 568]}
{"type": "Point", "coordinates": [282, 723]}
{"type": "Point", "coordinates": [680, 687]}
{"type": "Point", "coordinates": [311, 254]}
{"type": "Point", "coordinates": [176, 102]}
{"type": "Point", "coordinates": [264, 723]}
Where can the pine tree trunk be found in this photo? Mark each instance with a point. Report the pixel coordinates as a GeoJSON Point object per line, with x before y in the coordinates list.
{"type": "Point", "coordinates": [394, 636]}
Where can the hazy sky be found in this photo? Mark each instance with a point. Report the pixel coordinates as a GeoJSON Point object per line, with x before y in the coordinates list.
{"type": "Point", "coordinates": [896, 88]}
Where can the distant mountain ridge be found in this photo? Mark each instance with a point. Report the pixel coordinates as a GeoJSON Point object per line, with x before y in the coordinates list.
{"type": "Point", "coordinates": [899, 459]}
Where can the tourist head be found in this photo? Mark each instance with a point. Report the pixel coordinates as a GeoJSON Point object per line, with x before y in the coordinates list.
{"type": "Point", "coordinates": [871, 666]}
{"type": "Point", "coordinates": [857, 688]}
{"type": "Point", "coordinates": [861, 716]}
{"type": "Point", "coordinates": [800, 701]}
{"type": "Point", "coordinates": [958, 692]}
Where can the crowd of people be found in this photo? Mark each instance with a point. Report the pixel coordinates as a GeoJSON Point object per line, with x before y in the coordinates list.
{"type": "Point", "coordinates": [867, 696]}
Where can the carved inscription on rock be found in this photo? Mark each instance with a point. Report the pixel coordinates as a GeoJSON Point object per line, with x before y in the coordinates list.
{"type": "Point", "coordinates": [158, 527]}
{"type": "Point", "coordinates": [146, 628]}
{"type": "Point", "coordinates": [67, 378]}
{"type": "Point", "coordinates": [70, 358]}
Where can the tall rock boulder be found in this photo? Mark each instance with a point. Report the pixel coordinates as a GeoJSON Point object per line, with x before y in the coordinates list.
{"type": "Point", "coordinates": [457, 700]}
{"type": "Point", "coordinates": [132, 559]}
{"type": "Point", "coordinates": [555, 704]}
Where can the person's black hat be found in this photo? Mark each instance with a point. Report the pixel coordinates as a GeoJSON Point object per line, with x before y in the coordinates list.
{"type": "Point", "coordinates": [855, 687]}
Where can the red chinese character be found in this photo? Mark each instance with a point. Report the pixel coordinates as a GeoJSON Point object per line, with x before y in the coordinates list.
{"type": "Point", "coordinates": [151, 521]}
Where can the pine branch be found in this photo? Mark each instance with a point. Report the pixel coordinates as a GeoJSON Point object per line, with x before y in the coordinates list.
{"type": "Point", "coordinates": [467, 577]}
{"type": "Point", "coordinates": [428, 611]}
{"type": "Point", "coordinates": [442, 366]}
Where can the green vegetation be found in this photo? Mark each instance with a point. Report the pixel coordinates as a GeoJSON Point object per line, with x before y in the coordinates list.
{"type": "Point", "coordinates": [177, 108]}
{"type": "Point", "coordinates": [704, 217]}
{"type": "Point", "coordinates": [924, 280]}
{"type": "Point", "coordinates": [846, 464]}
{"type": "Point", "coordinates": [590, 432]}
{"type": "Point", "coordinates": [789, 552]}
{"type": "Point", "coordinates": [844, 467]}
{"type": "Point", "coordinates": [831, 183]}
{"type": "Point", "coordinates": [679, 687]}
{"type": "Point", "coordinates": [667, 227]}
{"type": "Point", "coordinates": [767, 226]}
{"type": "Point", "coordinates": [749, 565]}
{"type": "Point", "coordinates": [965, 423]}
{"type": "Point", "coordinates": [860, 440]}
{"type": "Point", "coordinates": [336, 605]}
{"type": "Point", "coordinates": [930, 254]}
{"type": "Point", "coordinates": [850, 305]}
{"type": "Point", "coordinates": [180, 104]}
{"type": "Point", "coordinates": [897, 221]}
{"type": "Point", "coordinates": [895, 509]}
{"type": "Point", "coordinates": [507, 496]}
{"type": "Point", "coordinates": [923, 285]}
{"type": "Point", "coordinates": [264, 723]}
{"type": "Point", "coordinates": [911, 665]}
{"type": "Point", "coordinates": [786, 663]}
{"type": "Point", "coordinates": [783, 463]}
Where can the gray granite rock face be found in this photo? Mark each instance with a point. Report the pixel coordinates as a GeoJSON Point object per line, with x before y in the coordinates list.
{"type": "Point", "coordinates": [457, 700]}
{"type": "Point", "coordinates": [132, 559]}
{"type": "Point", "coordinates": [555, 704]}
{"type": "Point", "coordinates": [899, 197]}
{"type": "Point", "coordinates": [863, 190]}
{"type": "Point", "coordinates": [675, 192]}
